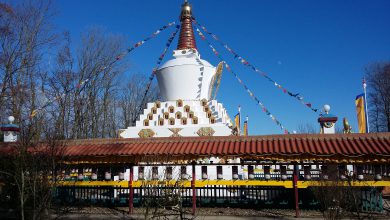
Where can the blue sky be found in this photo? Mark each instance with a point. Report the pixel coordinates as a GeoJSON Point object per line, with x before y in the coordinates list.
{"type": "Point", "coordinates": [316, 48]}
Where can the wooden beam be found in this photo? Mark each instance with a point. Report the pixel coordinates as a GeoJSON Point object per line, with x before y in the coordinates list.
{"type": "Point", "coordinates": [193, 185]}
{"type": "Point", "coordinates": [203, 183]}
{"type": "Point", "coordinates": [131, 196]}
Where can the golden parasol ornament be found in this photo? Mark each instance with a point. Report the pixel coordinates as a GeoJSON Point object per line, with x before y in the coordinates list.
{"type": "Point", "coordinates": [216, 81]}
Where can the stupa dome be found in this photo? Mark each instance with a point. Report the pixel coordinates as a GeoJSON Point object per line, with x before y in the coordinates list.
{"type": "Point", "coordinates": [185, 77]}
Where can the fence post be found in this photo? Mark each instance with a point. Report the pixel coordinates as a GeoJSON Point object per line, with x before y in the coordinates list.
{"type": "Point", "coordinates": [295, 185]}
{"type": "Point", "coordinates": [131, 190]}
{"type": "Point", "coordinates": [193, 188]}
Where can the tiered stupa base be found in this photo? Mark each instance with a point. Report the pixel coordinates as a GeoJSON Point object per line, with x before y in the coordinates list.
{"type": "Point", "coordinates": [181, 119]}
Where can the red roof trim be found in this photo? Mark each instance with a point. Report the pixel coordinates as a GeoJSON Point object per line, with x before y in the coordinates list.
{"type": "Point", "coordinates": [293, 145]}
{"type": "Point", "coordinates": [327, 119]}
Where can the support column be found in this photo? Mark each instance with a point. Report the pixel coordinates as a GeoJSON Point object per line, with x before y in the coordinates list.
{"type": "Point", "coordinates": [295, 186]}
{"type": "Point", "coordinates": [131, 195]}
{"type": "Point", "coordinates": [193, 188]}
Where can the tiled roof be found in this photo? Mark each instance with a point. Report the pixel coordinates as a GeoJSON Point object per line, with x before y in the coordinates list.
{"type": "Point", "coordinates": [333, 147]}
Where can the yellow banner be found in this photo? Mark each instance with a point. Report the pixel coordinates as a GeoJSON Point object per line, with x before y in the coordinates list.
{"type": "Point", "coordinates": [361, 113]}
{"type": "Point", "coordinates": [237, 121]}
{"type": "Point", "coordinates": [245, 128]}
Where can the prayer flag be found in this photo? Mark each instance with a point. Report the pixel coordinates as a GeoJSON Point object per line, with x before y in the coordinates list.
{"type": "Point", "coordinates": [361, 113]}
{"type": "Point", "coordinates": [237, 122]}
{"type": "Point", "coordinates": [33, 113]}
{"type": "Point", "coordinates": [246, 127]}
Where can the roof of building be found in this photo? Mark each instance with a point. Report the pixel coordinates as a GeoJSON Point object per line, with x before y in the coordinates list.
{"type": "Point", "coordinates": [9, 127]}
{"type": "Point", "coordinates": [337, 148]}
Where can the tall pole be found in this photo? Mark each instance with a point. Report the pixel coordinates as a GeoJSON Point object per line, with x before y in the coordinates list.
{"type": "Point", "coordinates": [365, 104]}
{"type": "Point", "coordinates": [246, 132]}
{"type": "Point", "coordinates": [193, 188]}
{"type": "Point", "coordinates": [239, 120]}
{"type": "Point", "coordinates": [295, 186]}
{"type": "Point", "coordinates": [131, 195]}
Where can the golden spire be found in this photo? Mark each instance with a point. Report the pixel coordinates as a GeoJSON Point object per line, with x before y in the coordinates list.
{"type": "Point", "coordinates": [187, 37]}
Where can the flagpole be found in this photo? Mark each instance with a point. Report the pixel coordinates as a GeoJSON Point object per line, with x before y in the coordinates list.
{"type": "Point", "coordinates": [239, 120]}
{"type": "Point", "coordinates": [365, 104]}
{"type": "Point", "coordinates": [247, 129]}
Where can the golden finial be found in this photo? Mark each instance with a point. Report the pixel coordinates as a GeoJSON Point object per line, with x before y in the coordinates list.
{"type": "Point", "coordinates": [347, 128]}
{"type": "Point", "coordinates": [185, 10]}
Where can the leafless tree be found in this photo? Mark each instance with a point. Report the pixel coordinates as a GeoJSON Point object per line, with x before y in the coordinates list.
{"type": "Point", "coordinates": [28, 170]}
{"type": "Point", "coordinates": [378, 79]}
{"type": "Point", "coordinates": [26, 35]}
{"type": "Point", "coordinates": [307, 129]}
{"type": "Point", "coordinates": [67, 107]}
{"type": "Point", "coordinates": [162, 197]}
{"type": "Point", "coordinates": [85, 84]}
{"type": "Point", "coordinates": [311, 129]}
{"type": "Point", "coordinates": [339, 199]}
{"type": "Point", "coordinates": [131, 98]}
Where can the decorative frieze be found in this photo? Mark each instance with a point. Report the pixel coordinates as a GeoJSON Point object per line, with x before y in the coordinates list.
{"type": "Point", "coordinates": [175, 132]}
{"type": "Point", "coordinates": [146, 133]}
{"type": "Point", "coordinates": [205, 131]}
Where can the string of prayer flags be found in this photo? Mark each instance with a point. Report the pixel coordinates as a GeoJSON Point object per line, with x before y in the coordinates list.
{"type": "Point", "coordinates": [262, 106]}
{"type": "Point", "coordinates": [167, 45]}
{"type": "Point", "coordinates": [251, 94]}
{"type": "Point", "coordinates": [81, 84]}
{"type": "Point", "coordinates": [159, 60]}
{"type": "Point", "coordinates": [151, 36]}
{"type": "Point", "coordinates": [254, 68]}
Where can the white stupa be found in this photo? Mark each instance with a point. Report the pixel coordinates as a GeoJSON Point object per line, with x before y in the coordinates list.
{"type": "Point", "coordinates": [186, 84]}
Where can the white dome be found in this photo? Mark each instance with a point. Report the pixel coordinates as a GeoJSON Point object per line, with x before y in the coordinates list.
{"type": "Point", "coordinates": [185, 77]}
{"type": "Point", "coordinates": [184, 60]}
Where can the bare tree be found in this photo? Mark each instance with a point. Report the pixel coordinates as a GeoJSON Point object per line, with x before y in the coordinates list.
{"type": "Point", "coordinates": [131, 98]}
{"type": "Point", "coordinates": [378, 78]}
{"type": "Point", "coordinates": [86, 86]}
{"type": "Point", "coordinates": [28, 169]}
{"type": "Point", "coordinates": [26, 34]}
{"type": "Point", "coordinates": [307, 129]}
{"type": "Point", "coordinates": [339, 199]}
{"type": "Point", "coordinates": [61, 81]}
{"type": "Point", "coordinates": [81, 94]}
{"type": "Point", "coordinates": [163, 195]}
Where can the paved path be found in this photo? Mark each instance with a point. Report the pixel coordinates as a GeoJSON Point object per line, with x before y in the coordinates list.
{"type": "Point", "coordinates": [136, 217]}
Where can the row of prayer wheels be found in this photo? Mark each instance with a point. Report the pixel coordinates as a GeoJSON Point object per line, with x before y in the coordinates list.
{"type": "Point", "coordinates": [282, 173]}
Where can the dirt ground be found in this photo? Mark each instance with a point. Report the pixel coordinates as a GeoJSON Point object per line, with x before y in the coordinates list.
{"type": "Point", "coordinates": [202, 213]}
